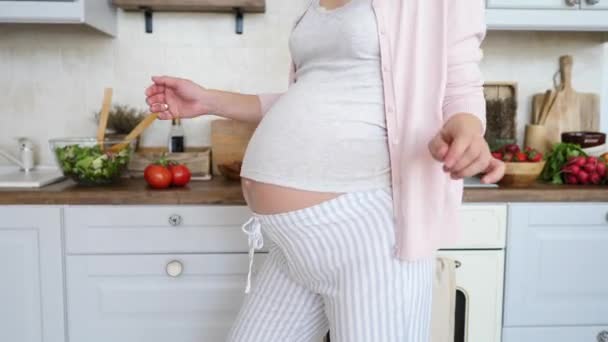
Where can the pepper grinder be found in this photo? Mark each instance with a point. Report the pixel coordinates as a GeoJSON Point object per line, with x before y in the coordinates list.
{"type": "Point", "coordinates": [176, 143]}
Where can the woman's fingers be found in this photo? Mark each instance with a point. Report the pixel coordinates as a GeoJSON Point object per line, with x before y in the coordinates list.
{"type": "Point", "coordinates": [456, 151]}
{"type": "Point", "coordinates": [156, 99]}
{"type": "Point", "coordinates": [494, 172]}
{"type": "Point", "coordinates": [470, 156]}
{"type": "Point", "coordinates": [154, 89]}
{"type": "Point", "coordinates": [478, 165]}
{"type": "Point", "coordinates": [438, 148]}
{"type": "Point", "coordinates": [167, 81]}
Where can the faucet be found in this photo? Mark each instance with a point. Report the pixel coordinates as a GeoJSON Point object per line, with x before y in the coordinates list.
{"type": "Point", "coordinates": [26, 152]}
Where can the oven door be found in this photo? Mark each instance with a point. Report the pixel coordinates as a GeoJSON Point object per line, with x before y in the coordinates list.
{"type": "Point", "coordinates": [479, 293]}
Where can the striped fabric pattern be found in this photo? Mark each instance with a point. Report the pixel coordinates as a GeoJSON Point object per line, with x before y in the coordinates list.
{"type": "Point", "coordinates": [331, 267]}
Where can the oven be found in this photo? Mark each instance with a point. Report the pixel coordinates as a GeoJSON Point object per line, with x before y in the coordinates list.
{"type": "Point", "coordinates": [479, 259]}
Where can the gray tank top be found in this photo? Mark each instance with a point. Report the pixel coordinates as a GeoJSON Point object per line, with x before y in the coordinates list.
{"type": "Point", "coordinates": [328, 132]}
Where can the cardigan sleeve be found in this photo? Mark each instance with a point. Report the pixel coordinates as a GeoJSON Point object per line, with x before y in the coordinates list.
{"type": "Point", "coordinates": [466, 30]}
{"type": "Point", "coordinates": [269, 99]}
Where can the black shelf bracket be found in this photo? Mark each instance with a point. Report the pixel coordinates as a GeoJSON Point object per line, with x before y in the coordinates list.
{"type": "Point", "coordinates": [239, 20]}
{"type": "Point", "coordinates": [148, 19]}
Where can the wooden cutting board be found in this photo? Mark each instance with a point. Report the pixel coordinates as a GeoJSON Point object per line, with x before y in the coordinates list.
{"type": "Point", "coordinates": [229, 139]}
{"type": "Point", "coordinates": [571, 110]}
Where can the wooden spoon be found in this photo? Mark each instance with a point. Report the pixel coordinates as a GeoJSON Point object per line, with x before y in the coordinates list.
{"type": "Point", "coordinates": [103, 116]}
{"type": "Point", "coordinates": [145, 123]}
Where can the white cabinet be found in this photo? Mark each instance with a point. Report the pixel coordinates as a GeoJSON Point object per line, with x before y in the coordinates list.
{"type": "Point", "coordinates": [556, 270]}
{"type": "Point", "coordinates": [98, 14]}
{"type": "Point", "coordinates": [133, 298]}
{"type": "Point", "coordinates": [31, 277]}
{"type": "Point", "coordinates": [533, 4]}
{"type": "Point", "coordinates": [594, 4]}
{"type": "Point", "coordinates": [547, 15]}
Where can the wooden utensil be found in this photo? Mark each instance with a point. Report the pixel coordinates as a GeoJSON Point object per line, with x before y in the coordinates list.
{"type": "Point", "coordinates": [145, 123]}
{"type": "Point", "coordinates": [571, 111]}
{"type": "Point", "coordinates": [548, 106]}
{"type": "Point", "coordinates": [103, 116]}
{"type": "Point", "coordinates": [229, 139]}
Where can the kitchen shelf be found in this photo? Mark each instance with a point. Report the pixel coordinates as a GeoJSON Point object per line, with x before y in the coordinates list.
{"type": "Point", "coordinates": [258, 6]}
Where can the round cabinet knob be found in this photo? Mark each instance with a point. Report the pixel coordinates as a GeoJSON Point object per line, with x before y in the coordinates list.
{"type": "Point", "coordinates": [175, 220]}
{"type": "Point", "coordinates": [593, 2]}
{"type": "Point", "coordinates": [602, 336]}
{"type": "Point", "coordinates": [174, 268]}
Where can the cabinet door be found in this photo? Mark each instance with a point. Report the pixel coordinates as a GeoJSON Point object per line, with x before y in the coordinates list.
{"type": "Point", "coordinates": [31, 279]}
{"type": "Point", "coordinates": [122, 298]}
{"type": "Point", "coordinates": [556, 334]}
{"type": "Point", "coordinates": [556, 265]}
{"type": "Point", "coordinates": [532, 4]}
{"type": "Point", "coordinates": [595, 4]}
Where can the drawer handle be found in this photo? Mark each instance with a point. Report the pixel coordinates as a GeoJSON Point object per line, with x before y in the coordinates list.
{"type": "Point", "coordinates": [573, 3]}
{"type": "Point", "coordinates": [602, 336]}
{"type": "Point", "coordinates": [593, 2]}
{"type": "Point", "coordinates": [175, 220]}
{"type": "Point", "coordinates": [457, 263]}
{"type": "Point", "coordinates": [174, 268]}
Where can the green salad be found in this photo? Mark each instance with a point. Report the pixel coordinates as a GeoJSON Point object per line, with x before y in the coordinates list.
{"type": "Point", "coordinates": [91, 165]}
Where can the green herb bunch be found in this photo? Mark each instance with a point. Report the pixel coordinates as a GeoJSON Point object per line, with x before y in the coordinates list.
{"type": "Point", "coordinates": [557, 158]}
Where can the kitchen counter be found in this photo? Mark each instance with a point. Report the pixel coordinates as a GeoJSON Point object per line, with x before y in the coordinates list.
{"type": "Point", "coordinates": [221, 191]}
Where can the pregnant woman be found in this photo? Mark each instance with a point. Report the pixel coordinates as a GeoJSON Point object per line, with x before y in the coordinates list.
{"type": "Point", "coordinates": [354, 173]}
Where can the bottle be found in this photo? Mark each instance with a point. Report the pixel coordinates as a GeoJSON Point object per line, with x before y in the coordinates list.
{"type": "Point", "coordinates": [176, 137]}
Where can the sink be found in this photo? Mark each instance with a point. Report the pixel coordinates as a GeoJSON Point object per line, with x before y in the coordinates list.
{"type": "Point", "coordinates": [12, 177]}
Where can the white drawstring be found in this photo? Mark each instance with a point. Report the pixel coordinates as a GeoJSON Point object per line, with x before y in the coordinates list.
{"type": "Point", "coordinates": [253, 229]}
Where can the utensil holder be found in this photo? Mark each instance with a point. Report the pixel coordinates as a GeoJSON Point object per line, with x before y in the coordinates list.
{"type": "Point", "coordinates": [536, 137]}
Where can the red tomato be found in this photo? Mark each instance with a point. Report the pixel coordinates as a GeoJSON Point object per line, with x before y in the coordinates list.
{"type": "Point", "coordinates": [158, 176]}
{"type": "Point", "coordinates": [181, 174]}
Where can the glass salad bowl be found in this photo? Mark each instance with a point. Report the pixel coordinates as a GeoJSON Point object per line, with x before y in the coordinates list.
{"type": "Point", "coordinates": [89, 162]}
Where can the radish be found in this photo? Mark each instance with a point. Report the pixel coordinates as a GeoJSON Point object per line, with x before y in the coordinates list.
{"type": "Point", "coordinates": [582, 177]}
{"type": "Point", "coordinates": [595, 178]}
{"type": "Point", "coordinates": [580, 161]}
{"type": "Point", "coordinates": [592, 160]}
{"type": "Point", "coordinates": [601, 169]}
{"type": "Point", "coordinates": [574, 169]}
{"type": "Point", "coordinates": [571, 179]}
{"type": "Point", "coordinates": [589, 168]}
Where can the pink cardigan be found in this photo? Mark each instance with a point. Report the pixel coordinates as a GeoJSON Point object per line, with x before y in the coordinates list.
{"type": "Point", "coordinates": [430, 52]}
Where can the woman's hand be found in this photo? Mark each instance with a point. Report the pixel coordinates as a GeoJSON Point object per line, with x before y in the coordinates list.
{"type": "Point", "coordinates": [463, 150]}
{"type": "Point", "coordinates": [173, 97]}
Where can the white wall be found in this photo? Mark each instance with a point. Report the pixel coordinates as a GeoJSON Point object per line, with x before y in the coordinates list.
{"type": "Point", "coordinates": [53, 76]}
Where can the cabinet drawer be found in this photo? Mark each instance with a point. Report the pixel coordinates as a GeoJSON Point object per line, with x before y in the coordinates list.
{"type": "Point", "coordinates": [556, 271]}
{"type": "Point", "coordinates": [150, 229]}
{"type": "Point", "coordinates": [483, 226]}
{"type": "Point", "coordinates": [527, 4]}
{"type": "Point", "coordinates": [556, 334]}
{"type": "Point", "coordinates": [132, 298]}
{"type": "Point", "coordinates": [568, 214]}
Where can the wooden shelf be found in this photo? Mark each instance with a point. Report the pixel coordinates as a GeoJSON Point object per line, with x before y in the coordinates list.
{"type": "Point", "coordinates": [258, 6]}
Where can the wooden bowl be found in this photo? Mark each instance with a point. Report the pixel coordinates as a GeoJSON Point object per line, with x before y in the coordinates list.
{"type": "Point", "coordinates": [521, 175]}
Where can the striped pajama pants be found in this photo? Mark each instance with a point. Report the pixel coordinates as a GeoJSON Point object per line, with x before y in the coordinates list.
{"type": "Point", "coordinates": [331, 267]}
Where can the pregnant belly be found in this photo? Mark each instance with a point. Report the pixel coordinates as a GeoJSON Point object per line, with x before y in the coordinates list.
{"type": "Point", "coordinates": [268, 199]}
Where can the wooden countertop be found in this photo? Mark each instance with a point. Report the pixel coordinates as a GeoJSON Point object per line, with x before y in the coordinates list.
{"type": "Point", "coordinates": [221, 191]}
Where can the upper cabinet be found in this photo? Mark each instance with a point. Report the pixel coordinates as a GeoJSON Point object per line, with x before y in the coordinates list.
{"type": "Point", "coordinates": [98, 14]}
{"type": "Point", "coordinates": [554, 15]}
